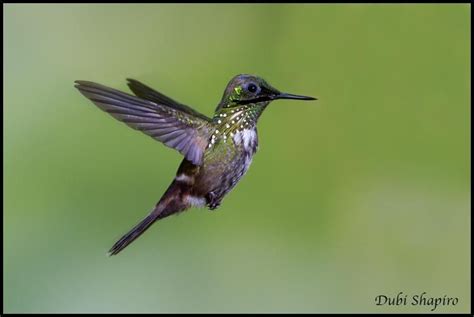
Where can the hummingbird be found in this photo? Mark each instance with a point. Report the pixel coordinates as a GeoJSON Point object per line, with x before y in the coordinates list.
{"type": "Point", "coordinates": [217, 151]}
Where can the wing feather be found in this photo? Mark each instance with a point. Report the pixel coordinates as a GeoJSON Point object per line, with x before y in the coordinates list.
{"type": "Point", "coordinates": [176, 127]}
{"type": "Point", "coordinates": [143, 91]}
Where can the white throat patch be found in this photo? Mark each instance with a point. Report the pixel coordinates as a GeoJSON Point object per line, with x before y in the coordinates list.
{"type": "Point", "coordinates": [247, 138]}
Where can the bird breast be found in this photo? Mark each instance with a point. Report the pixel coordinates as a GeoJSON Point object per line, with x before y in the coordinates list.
{"type": "Point", "coordinates": [248, 139]}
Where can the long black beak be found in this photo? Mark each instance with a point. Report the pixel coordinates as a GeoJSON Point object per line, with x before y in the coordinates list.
{"type": "Point", "coordinates": [291, 96]}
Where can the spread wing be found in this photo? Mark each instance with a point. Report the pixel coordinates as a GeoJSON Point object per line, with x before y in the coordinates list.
{"type": "Point", "coordinates": [143, 91]}
{"type": "Point", "coordinates": [176, 128]}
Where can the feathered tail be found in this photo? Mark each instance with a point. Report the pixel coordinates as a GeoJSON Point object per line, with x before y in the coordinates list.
{"type": "Point", "coordinates": [134, 233]}
{"type": "Point", "coordinates": [170, 203]}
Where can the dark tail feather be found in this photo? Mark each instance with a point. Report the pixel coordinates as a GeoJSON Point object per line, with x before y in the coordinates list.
{"type": "Point", "coordinates": [170, 203]}
{"type": "Point", "coordinates": [130, 236]}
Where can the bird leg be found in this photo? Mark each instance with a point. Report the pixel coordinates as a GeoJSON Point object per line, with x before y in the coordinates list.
{"type": "Point", "coordinates": [212, 201]}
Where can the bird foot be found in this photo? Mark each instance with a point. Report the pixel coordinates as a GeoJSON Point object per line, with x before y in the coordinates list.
{"type": "Point", "coordinates": [212, 201]}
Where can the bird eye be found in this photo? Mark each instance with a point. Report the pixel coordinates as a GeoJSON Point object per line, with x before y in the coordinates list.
{"type": "Point", "coordinates": [252, 88]}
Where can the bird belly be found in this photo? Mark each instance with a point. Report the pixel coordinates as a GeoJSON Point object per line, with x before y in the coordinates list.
{"type": "Point", "coordinates": [225, 164]}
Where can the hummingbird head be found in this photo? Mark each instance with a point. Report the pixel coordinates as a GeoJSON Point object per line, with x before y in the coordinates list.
{"type": "Point", "coordinates": [248, 89]}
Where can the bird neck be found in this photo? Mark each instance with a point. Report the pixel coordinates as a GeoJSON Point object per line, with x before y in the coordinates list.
{"type": "Point", "coordinates": [239, 117]}
{"type": "Point", "coordinates": [234, 122]}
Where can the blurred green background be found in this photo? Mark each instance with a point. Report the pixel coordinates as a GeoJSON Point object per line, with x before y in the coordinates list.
{"type": "Point", "coordinates": [364, 192]}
